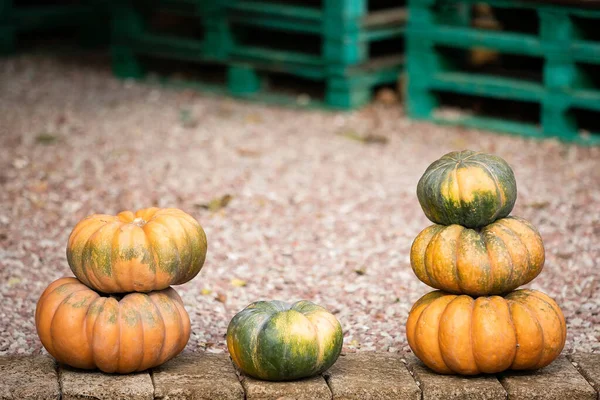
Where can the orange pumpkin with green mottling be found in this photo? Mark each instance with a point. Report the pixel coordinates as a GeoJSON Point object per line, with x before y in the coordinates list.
{"type": "Point", "coordinates": [467, 188]}
{"type": "Point", "coordinates": [150, 249]}
{"type": "Point", "coordinates": [83, 329]}
{"type": "Point", "coordinates": [453, 334]}
{"type": "Point", "coordinates": [495, 259]}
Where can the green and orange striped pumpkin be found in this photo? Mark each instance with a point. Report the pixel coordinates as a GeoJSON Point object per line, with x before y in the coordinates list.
{"type": "Point", "coordinates": [467, 188]}
{"type": "Point", "coordinates": [495, 259]}
{"type": "Point", "coordinates": [150, 249]}
{"type": "Point", "coordinates": [275, 341]}
{"type": "Point", "coordinates": [454, 334]}
{"type": "Point", "coordinates": [115, 334]}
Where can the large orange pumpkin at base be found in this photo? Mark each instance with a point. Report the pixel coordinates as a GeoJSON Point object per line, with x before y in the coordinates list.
{"type": "Point", "coordinates": [460, 335]}
{"type": "Point", "coordinates": [83, 329]}
{"type": "Point", "coordinates": [150, 249]}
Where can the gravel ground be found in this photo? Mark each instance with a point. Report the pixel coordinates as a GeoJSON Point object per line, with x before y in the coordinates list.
{"type": "Point", "coordinates": [313, 215]}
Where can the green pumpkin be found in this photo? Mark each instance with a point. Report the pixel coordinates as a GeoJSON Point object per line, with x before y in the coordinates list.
{"type": "Point", "coordinates": [467, 188]}
{"type": "Point", "coordinates": [276, 341]}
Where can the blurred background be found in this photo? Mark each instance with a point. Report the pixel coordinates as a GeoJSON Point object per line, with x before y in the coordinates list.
{"type": "Point", "coordinates": [295, 132]}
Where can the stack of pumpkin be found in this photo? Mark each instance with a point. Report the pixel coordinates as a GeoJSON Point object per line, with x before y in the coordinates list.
{"type": "Point", "coordinates": [120, 313]}
{"type": "Point", "coordinates": [477, 255]}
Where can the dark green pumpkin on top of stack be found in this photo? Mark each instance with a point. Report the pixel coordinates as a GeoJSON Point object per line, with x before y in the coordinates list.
{"type": "Point", "coordinates": [467, 188]}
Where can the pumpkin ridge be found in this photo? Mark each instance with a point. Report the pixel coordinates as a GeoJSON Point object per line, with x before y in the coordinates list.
{"type": "Point", "coordinates": [512, 266]}
{"type": "Point", "coordinates": [457, 183]}
{"type": "Point", "coordinates": [91, 340]}
{"type": "Point", "coordinates": [173, 244]}
{"type": "Point", "coordinates": [560, 317]}
{"type": "Point", "coordinates": [499, 192]}
{"type": "Point", "coordinates": [537, 365]}
{"type": "Point", "coordinates": [471, 337]}
{"type": "Point", "coordinates": [515, 235]}
{"type": "Point", "coordinates": [163, 325]}
{"type": "Point", "coordinates": [492, 263]}
{"type": "Point", "coordinates": [191, 253]}
{"type": "Point", "coordinates": [255, 344]}
{"type": "Point", "coordinates": [512, 323]}
{"type": "Point", "coordinates": [540, 329]}
{"type": "Point", "coordinates": [88, 250]}
{"type": "Point", "coordinates": [425, 263]}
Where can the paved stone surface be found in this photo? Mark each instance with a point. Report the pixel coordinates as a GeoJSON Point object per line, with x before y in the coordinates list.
{"type": "Point", "coordinates": [445, 387]}
{"type": "Point", "coordinates": [371, 376]}
{"type": "Point", "coordinates": [80, 385]}
{"type": "Point", "coordinates": [197, 376]}
{"type": "Point", "coordinates": [306, 389]}
{"type": "Point", "coordinates": [589, 366]}
{"type": "Point", "coordinates": [32, 377]}
{"type": "Point", "coordinates": [558, 381]}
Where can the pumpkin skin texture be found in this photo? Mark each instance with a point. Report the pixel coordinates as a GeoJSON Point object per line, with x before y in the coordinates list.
{"type": "Point", "coordinates": [83, 329]}
{"type": "Point", "coordinates": [494, 260]}
{"type": "Point", "coordinates": [275, 341]}
{"type": "Point", "coordinates": [467, 188]}
{"type": "Point", "coordinates": [148, 250]}
{"type": "Point", "coordinates": [453, 334]}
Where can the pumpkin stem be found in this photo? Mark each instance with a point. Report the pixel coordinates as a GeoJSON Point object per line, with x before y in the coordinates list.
{"type": "Point", "coordinates": [139, 222]}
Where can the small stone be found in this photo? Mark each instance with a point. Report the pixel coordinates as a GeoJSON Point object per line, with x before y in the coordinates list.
{"type": "Point", "coordinates": [314, 388]}
{"type": "Point", "coordinates": [446, 387]}
{"type": "Point", "coordinates": [31, 377]}
{"type": "Point", "coordinates": [558, 381]}
{"type": "Point", "coordinates": [197, 376]}
{"type": "Point", "coordinates": [374, 376]}
{"type": "Point", "coordinates": [83, 385]}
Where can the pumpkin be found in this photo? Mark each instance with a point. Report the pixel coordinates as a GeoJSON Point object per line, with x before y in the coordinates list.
{"type": "Point", "coordinates": [493, 260]}
{"type": "Point", "coordinates": [150, 249]}
{"type": "Point", "coordinates": [276, 341]}
{"type": "Point", "coordinates": [85, 330]}
{"type": "Point", "coordinates": [458, 334]}
{"type": "Point", "coordinates": [467, 188]}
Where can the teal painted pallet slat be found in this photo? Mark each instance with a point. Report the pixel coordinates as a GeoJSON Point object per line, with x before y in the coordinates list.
{"type": "Point", "coordinates": [258, 39]}
{"type": "Point", "coordinates": [557, 41]}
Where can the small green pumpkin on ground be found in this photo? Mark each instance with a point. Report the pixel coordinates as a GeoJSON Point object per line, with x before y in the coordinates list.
{"type": "Point", "coordinates": [276, 341]}
{"type": "Point", "coordinates": [467, 188]}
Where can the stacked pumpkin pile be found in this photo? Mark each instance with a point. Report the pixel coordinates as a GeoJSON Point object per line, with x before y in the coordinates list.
{"type": "Point", "coordinates": [120, 313]}
{"type": "Point", "coordinates": [477, 254]}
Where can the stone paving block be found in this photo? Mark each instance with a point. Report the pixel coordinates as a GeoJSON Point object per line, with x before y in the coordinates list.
{"type": "Point", "coordinates": [558, 381]}
{"type": "Point", "coordinates": [445, 387]}
{"type": "Point", "coordinates": [589, 366]}
{"type": "Point", "coordinates": [314, 388]}
{"type": "Point", "coordinates": [197, 376]}
{"type": "Point", "coordinates": [371, 376]}
{"type": "Point", "coordinates": [79, 384]}
{"type": "Point", "coordinates": [28, 377]}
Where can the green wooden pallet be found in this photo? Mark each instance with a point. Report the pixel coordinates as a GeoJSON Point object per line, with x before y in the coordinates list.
{"type": "Point", "coordinates": [253, 49]}
{"type": "Point", "coordinates": [89, 17]}
{"type": "Point", "coordinates": [562, 43]}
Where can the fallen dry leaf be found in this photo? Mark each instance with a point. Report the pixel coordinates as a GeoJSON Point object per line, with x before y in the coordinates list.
{"type": "Point", "coordinates": [46, 138]}
{"type": "Point", "coordinates": [238, 282]}
{"type": "Point", "coordinates": [366, 139]}
{"type": "Point", "coordinates": [221, 298]}
{"type": "Point", "coordinates": [245, 152]}
{"type": "Point", "coordinates": [216, 204]}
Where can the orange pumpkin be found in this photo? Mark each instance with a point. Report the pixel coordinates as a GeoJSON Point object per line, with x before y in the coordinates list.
{"type": "Point", "coordinates": [493, 260]}
{"type": "Point", "coordinates": [85, 330]}
{"type": "Point", "coordinates": [458, 334]}
{"type": "Point", "coordinates": [150, 249]}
